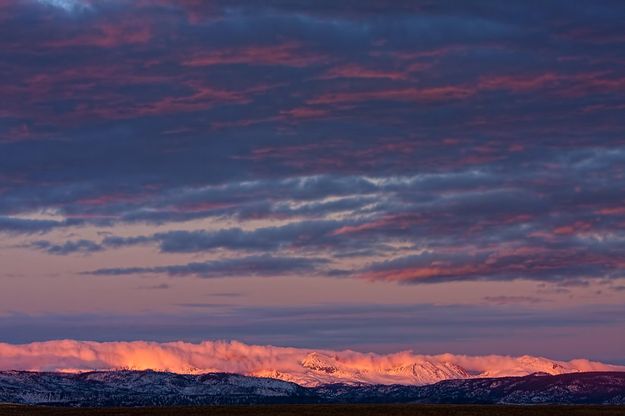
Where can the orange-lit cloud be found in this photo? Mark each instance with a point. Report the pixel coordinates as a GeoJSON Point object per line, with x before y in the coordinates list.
{"type": "Point", "coordinates": [304, 366]}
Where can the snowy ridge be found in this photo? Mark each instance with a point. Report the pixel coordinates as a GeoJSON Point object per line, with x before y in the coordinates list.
{"type": "Point", "coordinates": [149, 388]}
{"type": "Point", "coordinates": [132, 388]}
{"type": "Point", "coordinates": [318, 368]}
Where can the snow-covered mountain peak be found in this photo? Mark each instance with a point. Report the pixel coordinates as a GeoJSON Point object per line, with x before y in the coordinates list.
{"type": "Point", "coordinates": [322, 368]}
{"type": "Point", "coordinates": [320, 362]}
{"type": "Point", "coordinates": [528, 364]}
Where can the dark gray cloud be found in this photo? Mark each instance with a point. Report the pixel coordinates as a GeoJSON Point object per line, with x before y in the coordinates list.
{"type": "Point", "coordinates": [304, 235]}
{"type": "Point", "coordinates": [17, 225]}
{"type": "Point", "coordinates": [69, 247]}
{"type": "Point", "coordinates": [246, 266]}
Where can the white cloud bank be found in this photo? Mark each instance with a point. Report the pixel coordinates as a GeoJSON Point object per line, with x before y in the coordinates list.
{"type": "Point", "coordinates": [303, 366]}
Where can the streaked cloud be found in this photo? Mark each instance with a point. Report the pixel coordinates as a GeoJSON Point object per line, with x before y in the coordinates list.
{"type": "Point", "coordinates": [246, 266]}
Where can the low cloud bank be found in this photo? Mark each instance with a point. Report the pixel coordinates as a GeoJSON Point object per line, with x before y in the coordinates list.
{"type": "Point", "coordinates": [304, 366]}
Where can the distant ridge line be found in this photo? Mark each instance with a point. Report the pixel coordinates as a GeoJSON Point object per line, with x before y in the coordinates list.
{"type": "Point", "coordinates": [152, 388]}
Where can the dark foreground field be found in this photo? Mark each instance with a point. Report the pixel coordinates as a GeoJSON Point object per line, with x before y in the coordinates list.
{"type": "Point", "coordinates": [323, 410]}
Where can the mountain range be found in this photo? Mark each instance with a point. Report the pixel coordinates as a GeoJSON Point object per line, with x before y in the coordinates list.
{"type": "Point", "coordinates": [308, 368]}
{"type": "Point", "coordinates": [318, 368]}
{"type": "Point", "coordinates": [150, 388]}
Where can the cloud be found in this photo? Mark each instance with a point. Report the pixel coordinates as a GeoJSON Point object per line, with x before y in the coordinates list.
{"type": "Point", "coordinates": [67, 5]}
{"type": "Point", "coordinates": [464, 135]}
{"type": "Point", "coordinates": [236, 357]}
{"type": "Point", "coordinates": [31, 226]}
{"type": "Point", "coordinates": [303, 235]}
{"type": "Point", "coordinates": [246, 266]}
{"type": "Point", "coordinates": [69, 247]}
{"type": "Point", "coordinates": [495, 264]}
{"type": "Point", "coordinates": [289, 54]}
{"type": "Point", "coordinates": [507, 300]}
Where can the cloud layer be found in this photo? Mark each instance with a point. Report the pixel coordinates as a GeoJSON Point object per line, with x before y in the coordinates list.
{"type": "Point", "coordinates": [300, 365]}
{"type": "Point", "coordinates": [485, 140]}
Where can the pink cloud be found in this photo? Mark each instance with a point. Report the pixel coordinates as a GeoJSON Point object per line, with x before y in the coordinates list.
{"type": "Point", "coordinates": [108, 35]}
{"type": "Point", "coordinates": [294, 364]}
{"type": "Point", "coordinates": [410, 94]}
{"type": "Point", "coordinates": [287, 54]}
{"type": "Point", "coordinates": [358, 71]}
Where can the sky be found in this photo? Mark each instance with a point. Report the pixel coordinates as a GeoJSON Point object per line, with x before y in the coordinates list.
{"type": "Point", "coordinates": [434, 176]}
